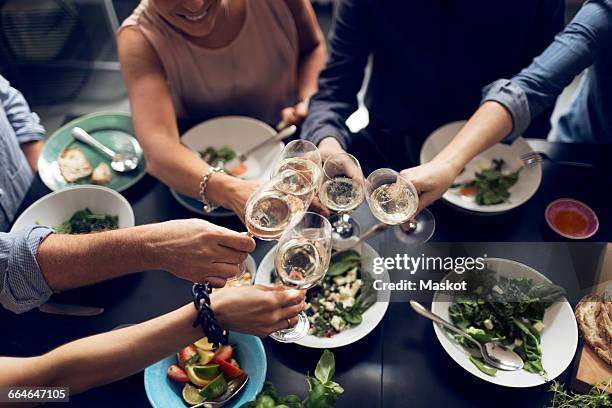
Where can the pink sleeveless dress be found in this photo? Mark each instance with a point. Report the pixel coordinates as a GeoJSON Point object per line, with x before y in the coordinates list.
{"type": "Point", "coordinates": [255, 75]}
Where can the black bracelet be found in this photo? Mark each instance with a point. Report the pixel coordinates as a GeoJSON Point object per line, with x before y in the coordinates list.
{"type": "Point", "coordinates": [205, 317]}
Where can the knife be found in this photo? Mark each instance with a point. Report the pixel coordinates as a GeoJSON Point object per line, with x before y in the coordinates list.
{"type": "Point", "coordinates": [70, 310]}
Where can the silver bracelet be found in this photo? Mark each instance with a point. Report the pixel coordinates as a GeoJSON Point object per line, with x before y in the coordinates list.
{"type": "Point", "coordinates": [208, 205]}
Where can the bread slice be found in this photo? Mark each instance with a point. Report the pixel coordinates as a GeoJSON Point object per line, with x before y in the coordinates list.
{"type": "Point", "coordinates": [101, 174]}
{"type": "Point", "coordinates": [604, 320]}
{"type": "Point", "coordinates": [74, 165]}
{"type": "Point", "coordinates": [589, 316]}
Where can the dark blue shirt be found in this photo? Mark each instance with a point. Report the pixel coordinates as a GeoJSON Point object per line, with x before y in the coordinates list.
{"type": "Point", "coordinates": [430, 60]}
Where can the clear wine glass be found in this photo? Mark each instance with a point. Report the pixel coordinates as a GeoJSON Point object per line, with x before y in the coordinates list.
{"type": "Point", "coordinates": [301, 261]}
{"type": "Point", "coordinates": [274, 205]}
{"type": "Point", "coordinates": [302, 156]}
{"type": "Point", "coordinates": [393, 200]}
{"type": "Point", "coordinates": [342, 191]}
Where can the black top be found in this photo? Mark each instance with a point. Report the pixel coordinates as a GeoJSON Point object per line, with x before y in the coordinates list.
{"type": "Point", "coordinates": [430, 60]}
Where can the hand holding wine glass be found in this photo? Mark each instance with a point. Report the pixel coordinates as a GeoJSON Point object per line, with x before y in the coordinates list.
{"type": "Point", "coordinates": [394, 200]}
{"type": "Point", "coordinates": [301, 261]}
{"type": "Point", "coordinates": [342, 190]}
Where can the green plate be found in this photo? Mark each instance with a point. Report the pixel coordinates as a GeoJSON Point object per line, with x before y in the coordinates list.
{"type": "Point", "coordinates": [112, 129]}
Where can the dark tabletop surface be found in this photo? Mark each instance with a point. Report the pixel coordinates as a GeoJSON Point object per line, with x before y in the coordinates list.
{"type": "Point", "coordinates": [401, 362]}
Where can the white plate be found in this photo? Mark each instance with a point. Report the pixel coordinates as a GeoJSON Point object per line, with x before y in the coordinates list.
{"type": "Point", "coordinates": [559, 338]}
{"type": "Point", "coordinates": [371, 317]}
{"type": "Point", "coordinates": [57, 207]}
{"type": "Point", "coordinates": [238, 133]}
{"type": "Point", "coordinates": [526, 186]}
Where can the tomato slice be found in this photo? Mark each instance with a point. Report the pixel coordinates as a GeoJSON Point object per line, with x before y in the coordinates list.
{"type": "Point", "coordinates": [229, 369]}
{"type": "Point", "coordinates": [185, 355]}
{"type": "Point", "coordinates": [470, 191]}
{"type": "Point", "coordinates": [223, 354]}
{"type": "Point", "coordinates": [177, 374]}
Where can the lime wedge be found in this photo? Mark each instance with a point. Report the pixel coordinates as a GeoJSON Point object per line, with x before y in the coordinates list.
{"type": "Point", "coordinates": [194, 378]}
{"type": "Point", "coordinates": [215, 388]}
{"type": "Point", "coordinates": [204, 344]}
{"type": "Point", "coordinates": [207, 372]}
{"type": "Point", "coordinates": [191, 395]}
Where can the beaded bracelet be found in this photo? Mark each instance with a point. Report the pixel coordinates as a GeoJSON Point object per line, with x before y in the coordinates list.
{"type": "Point", "coordinates": [205, 317]}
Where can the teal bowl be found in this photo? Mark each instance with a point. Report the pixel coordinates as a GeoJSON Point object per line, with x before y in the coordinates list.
{"type": "Point", "coordinates": [251, 356]}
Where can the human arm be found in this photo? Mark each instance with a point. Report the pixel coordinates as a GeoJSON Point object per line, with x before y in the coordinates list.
{"type": "Point", "coordinates": [34, 264]}
{"type": "Point", "coordinates": [340, 81]}
{"type": "Point", "coordinates": [311, 60]}
{"type": "Point", "coordinates": [154, 121]}
{"type": "Point", "coordinates": [510, 105]}
{"type": "Point", "coordinates": [104, 358]}
{"type": "Point", "coordinates": [24, 122]}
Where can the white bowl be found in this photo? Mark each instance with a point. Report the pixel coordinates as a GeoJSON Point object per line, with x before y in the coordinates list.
{"type": "Point", "coordinates": [371, 317]}
{"type": "Point", "coordinates": [559, 339]}
{"type": "Point", "coordinates": [238, 133]}
{"type": "Point", "coordinates": [56, 208]}
{"type": "Point", "coordinates": [526, 186]}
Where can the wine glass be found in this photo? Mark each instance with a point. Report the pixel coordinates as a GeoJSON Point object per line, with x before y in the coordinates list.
{"type": "Point", "coordinates": [301, 260]}
{"type": "Point", "coordinates": [342, 191]}
{"type": "Point", "coordinates": [393, 200]}
{"type": "Point", "coordinates": [274, 205]}
{"type": "Point", "coordinates": [302, 156]}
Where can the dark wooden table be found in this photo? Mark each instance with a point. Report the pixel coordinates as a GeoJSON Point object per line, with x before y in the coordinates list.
{"type": "Point", "coordinates": [401, 362]}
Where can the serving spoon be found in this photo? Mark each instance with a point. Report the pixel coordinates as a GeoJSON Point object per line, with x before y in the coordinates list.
{"type": "Point", "coordinates": [120, 162]}
{"type": "Point", "coordinates": [233, 387]}
{"type": "Point", "coordinates": [494, 354]}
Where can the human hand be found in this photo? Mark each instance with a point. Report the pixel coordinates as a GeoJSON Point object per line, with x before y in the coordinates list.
{"type": "Point", "coordinates": [257, 309]}
{"type": "Point", "coordinates": [231, 192]}
{"type": "Point", "coordinates": [329, 147]}
{"type": "Point", "coordinates": [197, 250]}
{"type": "Point", "coordinates": [293, 115]}
{"type": "Point", "coordinates": [431, 180]}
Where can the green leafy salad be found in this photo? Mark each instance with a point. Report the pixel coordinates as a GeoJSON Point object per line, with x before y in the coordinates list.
{"type": "Point", "coordinates": [506, 310]}
{"type": "Point", "coordinates": [491, 185]}
{"type": "Point", "coordinates": [344, 295]}
{"type": "Point", "coordinates": [342, 298]}
{"type": "Point", "coordinates": [85, 221]}
{"type": "Point", "coordinates": [223, 154]}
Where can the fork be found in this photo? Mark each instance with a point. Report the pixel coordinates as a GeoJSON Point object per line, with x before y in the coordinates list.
{"type": "Point", "coordinates": [532, 159]}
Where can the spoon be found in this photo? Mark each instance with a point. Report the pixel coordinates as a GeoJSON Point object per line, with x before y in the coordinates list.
{"type": "Point", "coordinates": [120, 162]}
{"type": "Point", "coordinates": [494, 354]}
{"type": "Point", "coordinates": [233, 388]}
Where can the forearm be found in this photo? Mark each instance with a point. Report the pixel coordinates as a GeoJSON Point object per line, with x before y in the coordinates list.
{"type": "Point", "coordinates": [31, 150]}
{"type": "Point", "coordinates": [311, 65]}
{"type": "Point", "coordinates": [69, 261]}
{"type": "Point", "coordinates": [104, 358]}
{"type": "Point", "coordinates": [177, 167]}
{"type": "Point", "coordinates": [490, 124]}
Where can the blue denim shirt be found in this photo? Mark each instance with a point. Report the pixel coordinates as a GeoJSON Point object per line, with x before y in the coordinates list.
{"type": "Point", "coordinates": [22, 285]}
{"type": "Point", "coordinates": [586, 42]}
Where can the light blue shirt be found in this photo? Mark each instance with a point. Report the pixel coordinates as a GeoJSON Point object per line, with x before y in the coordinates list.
{"type": "Point", "coordinates": [586, 42]}
{"type": "Point", "coordinates": [22, 285]}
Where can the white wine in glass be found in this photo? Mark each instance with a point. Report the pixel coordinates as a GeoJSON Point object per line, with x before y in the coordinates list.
{"type": "Point", "coordinates": [301, 156]}
{"type": "Point", "coordinates": [394, 200]}
{"type": "Point", "coordinates": [276, 203]}
{"type": "Point", "coordinates": [341, 194]}
{"type": "Point", "coordinates": [342, 191]}
{"type": "Point", "coordinates": [301, 261]}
